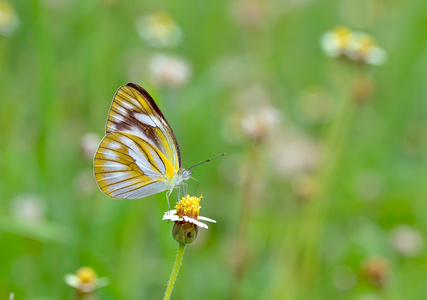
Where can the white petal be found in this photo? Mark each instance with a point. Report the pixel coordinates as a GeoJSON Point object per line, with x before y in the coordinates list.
{"type": "Point", "coordinates": [330, 44]}
{"type": "Point", "coordinates": [200, 224]}
{"type": "Point", "coordinates": [72, 280]}
{"type": "Point", "coordinates": [206, 219]}
{"type": "Point", "coordinates": [191, 220]}
{"type": "Point", "coordinates": [101, 282]}
{"type": "Point", "coordinates": [170, 212]}
{"type": "Point", "coordinates": [167, 217]}
{"type": "Point", "coordinates": [172, 218]}
{"type": "Point", "coordinates": [377, 56]}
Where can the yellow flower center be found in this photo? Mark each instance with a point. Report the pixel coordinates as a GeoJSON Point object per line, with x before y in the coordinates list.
{"type": "Point", "coordinates": [188, 206]}
{"type": "Point", "coordinates": [342, 34]}
{"type": "Point", "coordinates": [86, 275]}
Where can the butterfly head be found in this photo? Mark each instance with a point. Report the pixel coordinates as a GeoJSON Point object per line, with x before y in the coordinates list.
{"type": "Point", "coordinates": [185, 174]}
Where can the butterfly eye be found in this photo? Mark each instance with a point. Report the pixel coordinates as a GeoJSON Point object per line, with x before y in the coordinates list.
{"type": "Point", "coordinates": [186, 174]}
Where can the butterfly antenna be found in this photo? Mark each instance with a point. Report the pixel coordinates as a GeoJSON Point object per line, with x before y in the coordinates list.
{"type": "Point", "coordinates": [207, 161]}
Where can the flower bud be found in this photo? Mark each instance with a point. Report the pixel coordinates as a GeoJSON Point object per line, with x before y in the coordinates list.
{"type": "Point", "coordinates": [185, 232]}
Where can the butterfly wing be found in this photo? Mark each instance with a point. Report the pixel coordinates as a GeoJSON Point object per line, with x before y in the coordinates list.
{"type": "Point", "coordinates": [127, 166]}
{"type": "Point", "coordinates": [134, 111]}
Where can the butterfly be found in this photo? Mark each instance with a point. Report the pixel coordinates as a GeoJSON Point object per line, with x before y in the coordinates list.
{"type": "Point", "coordinates": [139, 155]}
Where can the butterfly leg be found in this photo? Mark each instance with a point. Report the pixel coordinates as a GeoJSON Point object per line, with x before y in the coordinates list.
{"type": "Point", "coordinates": [178, 192]}
{"type": "Point", "coordinates": [195, 192]}
{"type": "Point", "coordinates": [185, 188]}
{"type": "Point", "coordinates": [167, 197]}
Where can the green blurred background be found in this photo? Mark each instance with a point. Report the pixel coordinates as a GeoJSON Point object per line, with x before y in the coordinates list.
{"type": "Point", "coordinates": [321, 194]}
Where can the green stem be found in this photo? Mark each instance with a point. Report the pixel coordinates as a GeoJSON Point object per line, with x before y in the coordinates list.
{"type": "Point", "coordinates": [172, 279]}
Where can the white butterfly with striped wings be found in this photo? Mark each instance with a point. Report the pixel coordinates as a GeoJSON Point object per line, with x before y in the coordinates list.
{"type": "Point", "coordinates": [139, 156]}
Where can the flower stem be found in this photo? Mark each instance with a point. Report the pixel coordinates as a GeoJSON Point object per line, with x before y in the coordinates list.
{"type": "Point", "coordinates": [175, 270]}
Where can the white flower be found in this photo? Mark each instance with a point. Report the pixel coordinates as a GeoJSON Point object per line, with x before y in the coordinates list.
{"type": "Point", "coordinates": [169, 71]}
{"type": "Point", "coordinates": [406, 240]}
{"type": "Point", "coordinates": [357, 46]}
{"type": "Point", "coordinates": [294, 153]}
{"type": "Point", "coordinates": [85, 280]}
{"type": "Point", "coordinates": [260, 123]}
{"type": "Point", "coordinates": [159, 30]}
{"type": "Point", "coordinates": [252, 116]}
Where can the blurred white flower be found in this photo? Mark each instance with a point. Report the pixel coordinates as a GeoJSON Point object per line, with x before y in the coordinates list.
{"type": "Point", "coordinates": [407, 241]}
{"type": "Point", "coordinates": [9, 20]}
{"type": "Point", "coordinates": [252, 116]}
{"type": "Point", "coordinates": [356, 46]}
{"type": "Point", "coordinates": [159, 30]}
{"type": "Point", "coordinates": [28, 207]}
{"type": "Point", "coordinates": [294, 153]}
{"type": "Point", "coordinates": [85, 280]}
{"type": "Point", "coordinates": [89, 144]}
{"type": "Point", "coordinates": [258, 124]}
{"type": "Point", "coordinates": [169, 71]}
